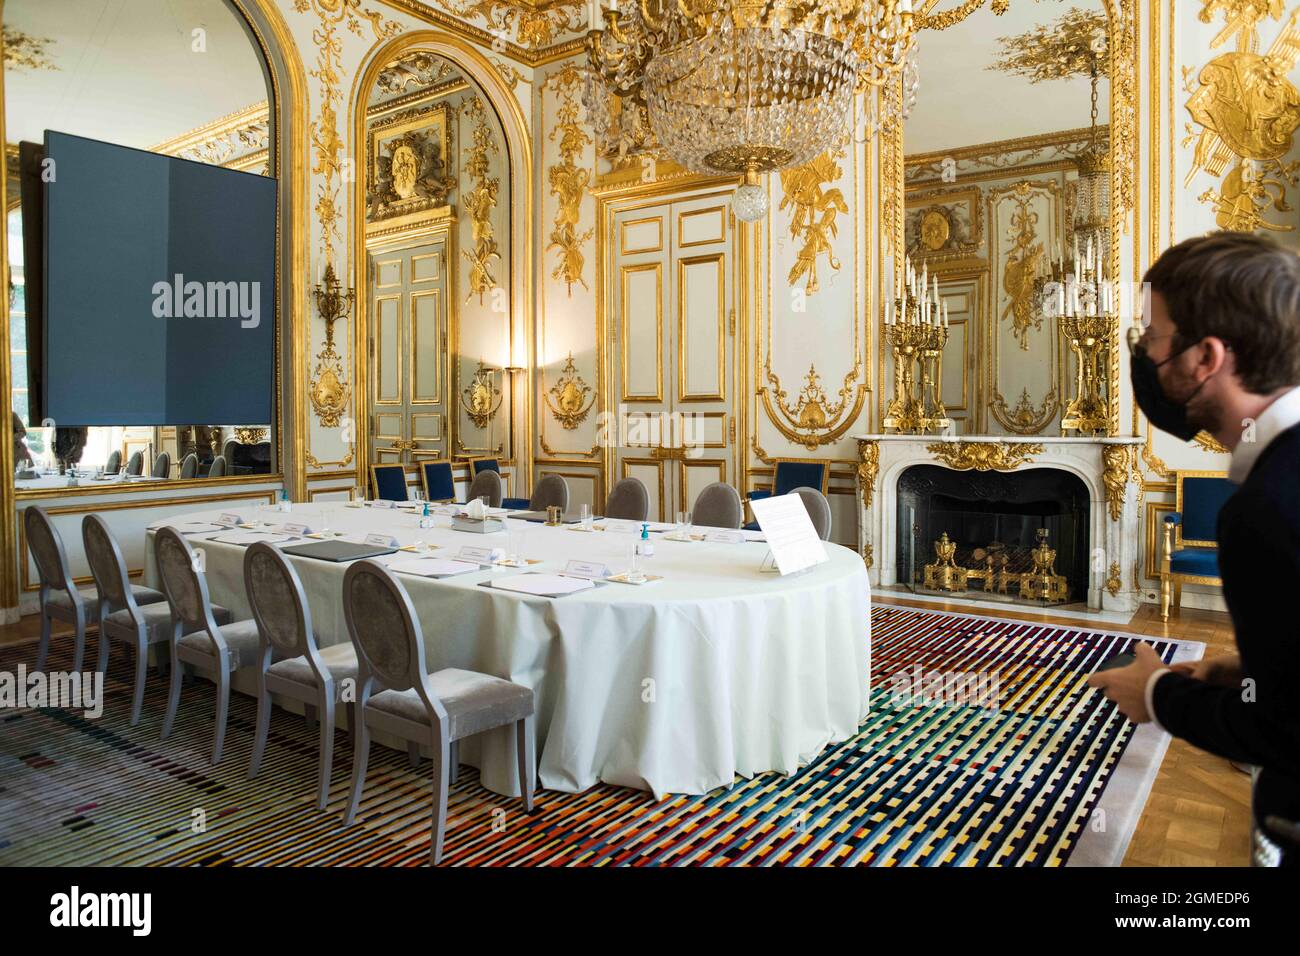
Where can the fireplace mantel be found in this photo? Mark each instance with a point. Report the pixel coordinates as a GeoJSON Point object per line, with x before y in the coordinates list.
{"type": "Point", "coordinates": [1107, 466]}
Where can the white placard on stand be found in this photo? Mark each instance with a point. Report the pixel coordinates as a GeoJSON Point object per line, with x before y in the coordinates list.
{"type": "Point", "coordinates": [790, 533]}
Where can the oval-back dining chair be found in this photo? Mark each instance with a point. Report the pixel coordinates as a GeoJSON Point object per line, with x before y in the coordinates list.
{"type": "Point", "coordinates": [551, 490]}
{"type": "Point", "coordinates": [487, 483]}
{"type": "Point", "coordinates": [718, 506]}
{"type": "Point", "coordinates": [435, 709]}
{"type": "Point", "coordinates": [628, 500]}
{"type": "Point", "coordinates": [819, 510]}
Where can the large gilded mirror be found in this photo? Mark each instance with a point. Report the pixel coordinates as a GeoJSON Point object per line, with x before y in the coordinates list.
{"type": "Point", "coordinates": [184, 78]}
{"type": "Point", "coordinates": [437, 248]}
{"type": "Point", "coordinates": [1006, 187]}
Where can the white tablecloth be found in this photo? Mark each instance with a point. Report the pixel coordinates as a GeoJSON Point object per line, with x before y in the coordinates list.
{"type": "Point", "coordinates": [676, 686]}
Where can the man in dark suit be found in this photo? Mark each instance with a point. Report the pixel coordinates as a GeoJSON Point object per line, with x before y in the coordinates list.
{"type": "Point", "coordinates": [1221, 353]}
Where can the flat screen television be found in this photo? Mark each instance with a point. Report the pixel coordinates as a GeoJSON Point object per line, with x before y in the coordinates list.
{"type": "Point", "coordinates": [159, 288]}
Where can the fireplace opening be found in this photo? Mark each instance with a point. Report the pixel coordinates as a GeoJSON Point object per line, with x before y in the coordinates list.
{"type": "Point", "coordinates": [1019, 535]}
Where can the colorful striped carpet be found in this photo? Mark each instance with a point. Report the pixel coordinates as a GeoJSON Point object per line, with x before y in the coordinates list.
{"type": "Point", "coordinates": [1016, 783]}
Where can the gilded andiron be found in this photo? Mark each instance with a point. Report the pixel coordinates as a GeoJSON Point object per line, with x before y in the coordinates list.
{"type": "Point", "coordinates": [916, 328]}
{"type": "Point", "coordinates": [1043, 583]}
{"type": "Point", "coordinates": [944, 575]}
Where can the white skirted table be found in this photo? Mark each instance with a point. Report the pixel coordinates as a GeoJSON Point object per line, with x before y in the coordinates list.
{"type": "Point", "coordinates": [675, 686]}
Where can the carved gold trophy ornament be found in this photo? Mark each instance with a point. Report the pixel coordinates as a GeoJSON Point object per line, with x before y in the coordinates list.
{"type": "Point", "coordinates": [329, 389]}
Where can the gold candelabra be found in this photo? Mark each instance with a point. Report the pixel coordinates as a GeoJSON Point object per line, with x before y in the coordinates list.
{"type": "Point", "coordinates": [1082, 300]}
{"type": "Point", "coordinates": [916, 328]}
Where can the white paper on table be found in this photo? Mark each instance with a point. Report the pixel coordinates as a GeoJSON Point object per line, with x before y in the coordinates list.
{"type": "Point", "coordinates": [433, 567]}
{"type": "Point", "coordinates": [753, 535]}
{"type": "Point", "coordinates": [544, 584]}
{"type": "Point", "coordinates": [249, 537]}
{"type": "Point", "coordinates": [789, 531]}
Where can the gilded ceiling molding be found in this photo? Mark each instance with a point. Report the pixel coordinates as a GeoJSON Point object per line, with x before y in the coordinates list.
{"type": "Point", "coordinates": [948, 18]}
{"type": "Point", "coordinates": [417, 68]}
{"type": "Point", "coordinates": [983, 455]}
{"type": "Point", "coordinates": [533, 25]}
{"type": "Point", "coordinates": [568, 181]}
{"type": "Point", "coordinates": [479, 202]}
{"type": "Point", "coordinates": [812, 219]}
{"type": "Point", "coordinates": [238, 140]}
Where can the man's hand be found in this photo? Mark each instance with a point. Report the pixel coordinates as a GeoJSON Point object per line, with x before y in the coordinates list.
{"type": "Point", "coordinates": [1222, 671]}
{"type": "Point", "coordinates": [1127, 686]}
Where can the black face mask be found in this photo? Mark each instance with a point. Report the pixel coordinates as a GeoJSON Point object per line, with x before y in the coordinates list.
{"type": "Point", "coordinates": [1164, 413]}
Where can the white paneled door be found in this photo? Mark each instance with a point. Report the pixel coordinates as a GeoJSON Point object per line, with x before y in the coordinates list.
{"type": "Point", "coordinates": [408, 353]}
{"type": "Point", "coordinates": [672, 299]}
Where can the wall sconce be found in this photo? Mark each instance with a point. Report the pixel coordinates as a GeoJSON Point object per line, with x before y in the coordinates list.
{"type": "Point", "coordinates": [329, 388]}
{"type": "Point", "coordinates": [332, 302]}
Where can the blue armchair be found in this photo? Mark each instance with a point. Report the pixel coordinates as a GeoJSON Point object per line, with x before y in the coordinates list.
{"type": "Point", "coordinates": [1191, 546]}
{"type": "Point", "coordinates": [791, 473]}
{"type": "Point", "coordinates": [439, 485]}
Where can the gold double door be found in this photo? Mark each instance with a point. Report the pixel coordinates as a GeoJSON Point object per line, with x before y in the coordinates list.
{"type": "Point", "coordinates": [672, 294]}
{"type": "Point", "coordinates": [408, 351]}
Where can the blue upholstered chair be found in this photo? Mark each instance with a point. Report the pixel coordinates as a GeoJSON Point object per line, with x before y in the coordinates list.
{"type": "Point", "coordinates": [389, 482]}
{"type": "Point", "coordinates": [1191, 545]}
{"type": "Point", "coordinates": [791, 473]}
{"type": "Point", "coordinates": [439, 485]}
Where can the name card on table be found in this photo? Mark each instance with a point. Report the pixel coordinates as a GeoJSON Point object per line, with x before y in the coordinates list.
{"type": "Point", "coordinates": [290, 527]}
{"type": "Point", "coordinates": [383, 503]}
{"type": "Point", "coordinates": [789, 531]}
{"type": "Point", "coordinates": [381, 540]}
{"type": "Point", "coordinates": [230, 519]}
{"type": "Point", "coordinates": [593, 570]}
{"type": "Point", "coordinates": [622, 526]}
{"type": "Point", "coordinates": [724, 536]}
{"type": "Point", "coordinates": [481, 555]}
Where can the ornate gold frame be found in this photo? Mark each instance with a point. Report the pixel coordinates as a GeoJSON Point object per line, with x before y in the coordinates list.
{"type": "Point", "coordinates": [518, 148]}
{"type": "Point", "coordinates": [1123, 122]}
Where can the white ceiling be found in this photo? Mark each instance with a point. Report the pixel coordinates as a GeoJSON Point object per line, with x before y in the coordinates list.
{"type": "Point", "coordinates": [126, 71]}
{"type": "Point", "coordinates": [961, 103]}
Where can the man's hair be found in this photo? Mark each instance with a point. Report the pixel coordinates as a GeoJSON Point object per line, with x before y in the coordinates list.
{"type": "Point", "coordinates": [1243, 289]}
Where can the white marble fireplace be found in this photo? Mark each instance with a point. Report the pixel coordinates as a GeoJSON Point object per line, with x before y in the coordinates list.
{"type": "Point", "coordinates": [1106, 466]}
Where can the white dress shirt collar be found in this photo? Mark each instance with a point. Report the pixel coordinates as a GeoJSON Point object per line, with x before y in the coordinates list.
{"type": "Point", "coordinates": [1273, 421]}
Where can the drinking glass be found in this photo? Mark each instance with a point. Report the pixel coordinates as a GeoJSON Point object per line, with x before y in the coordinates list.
{"type": "Point", "coordinates": [683, 529]}
{"type": "Point", "coordinates": [584, 513]}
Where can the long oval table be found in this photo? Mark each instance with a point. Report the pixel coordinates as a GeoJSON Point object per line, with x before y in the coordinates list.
{"type": "Point", "coordinates": [675, 686]}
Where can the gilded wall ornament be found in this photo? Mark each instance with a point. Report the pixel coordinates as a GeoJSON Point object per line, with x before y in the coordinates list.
{"type": "Point", "coordinates": [481, 397]}
{"type": "Point", "coordinates": [1248, 110]}
{"type": "Point", "coordinates": [815, 208]}
{"type": "Point", "coordinates": [1114, 477]}
{"type": "Point", "coordinates": [328, 388]}
{"type": "Point", "coordinates": [408, 168]}
{"type": "Point", "coordinates": [1022, 265]}
{"type": "Point", "coordinates": [868, 469]}
{"type": "Point", "coordinates": [533, 26]}
{"type": "Point", "coordinates": [417, 68]}
{"type": "Point", "coordinates": [1025, 418]}
{"type": "Point", "coordinates": [814, 419]}
{"type": "Point", "coordinates": [479, 204]}
{"type": "Point", "coordinates": [247, 435]}
{"type": "Point", "coordinates": [237, 141]}
{"type": "Point", "coordinates": [570, 398]}
{"type": "Point", "coordinates": [983, 455]}
{"type": "Point", "coordinates": [935, 229]}
{"type": "Point", "coordinates": [1113, 580]}
{"type": "Point", "coordinates": [569, 184]}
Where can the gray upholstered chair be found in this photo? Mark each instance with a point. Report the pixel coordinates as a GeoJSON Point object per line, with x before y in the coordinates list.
{"type": "Point", "coordinates": [135, 464]}
{"type": "Point", "coordinates": [189, 465]}
{"type": "Point", "coordinates": [628, 500]}
{"type": "Point", "coordinates": [435, 709]}
{"type": "Point", "coordinates": [114, 463]}
{"type": "Point", "coordinates": [551, 490]}
{"type": "Point", "coordinates": [718, 506]}
{"type": "Point", "coordinates": [819, 510]}
{"type": "Point", "coordinates": [486, 483]}
{"type": "Point", "coordinates": [162, 465]}
{"type": "Point", "coordinates": [59, 595]}
{"type": "Point", "coordinates": [228, 448]}
{"type": "Point", "coordinates": [304, 671]}
{"type": "Point", "coordinates": [218, 467]}
{"type": "Point", "coordinates": [214, 650]}
{"type": "Point", "coordinates": [128, 613]}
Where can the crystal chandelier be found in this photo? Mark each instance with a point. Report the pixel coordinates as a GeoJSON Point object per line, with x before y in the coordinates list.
{"type": "Point", "coordinates": [727, 87]}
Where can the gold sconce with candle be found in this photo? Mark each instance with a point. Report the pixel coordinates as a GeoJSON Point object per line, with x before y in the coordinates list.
{"type": "Point", "coordinates": [916, 328]}
{"type": "Point", "coordinates": [329, 389]}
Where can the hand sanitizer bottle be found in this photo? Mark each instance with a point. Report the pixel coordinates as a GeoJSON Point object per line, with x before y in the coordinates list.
{"type": "Point", "coordinates": [646, 547]}
{"type": "Point", "coordinates": [425, 520]}
{"type": "Point", "coordinates": [285, 504]}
